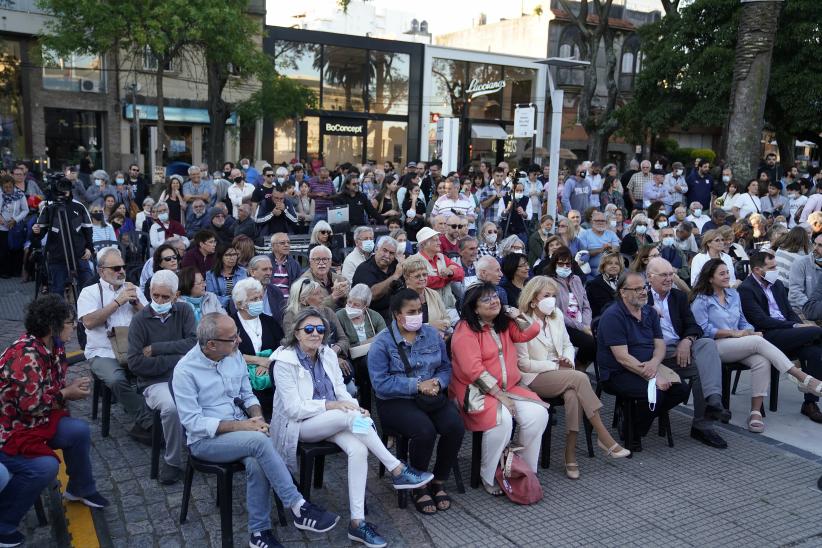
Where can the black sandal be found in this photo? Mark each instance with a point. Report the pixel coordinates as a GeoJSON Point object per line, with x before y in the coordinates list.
{"type": "Point", "coordinates": [440, 499]}
{"type": "Point", "coordinates": [427, 507]}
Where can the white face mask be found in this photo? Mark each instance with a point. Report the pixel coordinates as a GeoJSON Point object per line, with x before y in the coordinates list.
{"type": "Point", "coordinates": [678, 172]}
{"type": "Point", "coordinates": [726, 178]}
{"type": "Point", "coordinates": [491, 238]}
{"type": "Point", "coordinates": [612, 224]}
{"type": "Point", "coordinates": [546, 305]}
{"type": "Point", "coordinates": [697, 213]}
{"type": "Point", "coordinates": [771, 276]}
{"type": "Point", "coordinates": [518, 195]}
{"type": "Point", "coordinates": [652, 394]}
{"type": "Point", "coordinates": [641, 229]}
{"type": "Point", "coordinates": [353, 312]}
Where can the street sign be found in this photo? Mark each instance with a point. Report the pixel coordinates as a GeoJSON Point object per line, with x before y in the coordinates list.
{"type": "Point", "coordinates": [524, 121]}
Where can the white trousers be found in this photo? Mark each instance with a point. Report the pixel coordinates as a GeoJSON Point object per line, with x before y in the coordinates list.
{"type": "Point", "coordinates": [335, 426]}
{"type": "Point", "coordinates": [532, 419]}
{"type": "Point", "coordinates": [159, 397]}
{"type": "Point", "coordinates": [759, 355]}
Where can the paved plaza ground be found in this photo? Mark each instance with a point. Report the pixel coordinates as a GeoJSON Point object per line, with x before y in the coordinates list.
{"type": "Point", "coordinates": [761, 491]}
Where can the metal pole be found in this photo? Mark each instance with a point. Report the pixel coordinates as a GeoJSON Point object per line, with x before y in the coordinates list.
{"type": "Point", "coordinates": [557, 98]}
{"type": "Point", "coordinates": [136, 115]}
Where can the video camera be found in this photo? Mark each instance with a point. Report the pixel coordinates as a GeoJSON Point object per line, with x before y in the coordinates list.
{"type": "Point", "coordinates": [56, 187]}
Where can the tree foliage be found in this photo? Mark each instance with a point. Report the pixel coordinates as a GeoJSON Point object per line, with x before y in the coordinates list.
{"type": "Point", "coordinates": [278, 98]}
{"type": "Point", "coordinates": [688, 68]}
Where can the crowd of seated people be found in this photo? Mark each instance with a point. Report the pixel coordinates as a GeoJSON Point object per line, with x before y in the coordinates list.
{"type": "Point", "coordinates": [448, 303]}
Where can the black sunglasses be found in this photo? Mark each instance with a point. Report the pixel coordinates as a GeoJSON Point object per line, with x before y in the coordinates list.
{"type": "Point", "coordinates": [309, 329]}
{"type": "Point", "coordinates": [115, 268]}
{"type": "Point", "coordinates": [170, 258]}
{"type": "Point", "coordinates": [457, 226]}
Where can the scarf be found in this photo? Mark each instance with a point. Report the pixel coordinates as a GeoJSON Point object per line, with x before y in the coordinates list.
{"type": "Point", "coordinates": [14, 195]}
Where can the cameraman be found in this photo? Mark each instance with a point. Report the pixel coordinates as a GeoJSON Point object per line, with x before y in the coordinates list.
{"type": "Point", "coordinates": [75, 238]}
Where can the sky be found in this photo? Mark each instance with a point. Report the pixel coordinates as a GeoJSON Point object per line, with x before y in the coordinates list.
{"type": "Point", "coordinates": [442, 16]}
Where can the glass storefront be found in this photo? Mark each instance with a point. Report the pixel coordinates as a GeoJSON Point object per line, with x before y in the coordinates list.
{"type": "Point", "coordinates": [343, 79]}
{"type": "Point", "coordinates": [71, 135]}
{"type": "Point", "coordinates": [12, 127]}
{"type": "Point", "coordinates": [388, 84]}
{"type": "Point", "coordinates": [387, 141]}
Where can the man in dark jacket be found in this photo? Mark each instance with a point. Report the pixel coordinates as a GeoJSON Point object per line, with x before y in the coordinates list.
{"type": "Point", "coordinates": [765, 305]}
{"type": "Point", "coordinates": [159, 335]}
{"type": "Point", "coordinates": [281, 218]}
{"type": "Point", "coordinates": [245, 223]}
{"type": "Point", "coordinates": [358, 205]}
{"type": "Point", "coordinates": [688, 353]}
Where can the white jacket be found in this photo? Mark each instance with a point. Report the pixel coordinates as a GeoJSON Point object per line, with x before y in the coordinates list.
{"type": "Point", "coordinates": [542, 352]}
{"type": "Point", "coordinates": [293, 401]}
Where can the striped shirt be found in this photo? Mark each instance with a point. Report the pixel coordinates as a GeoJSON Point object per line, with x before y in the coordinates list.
{"type": "Point", "coordinates": [279, 277]}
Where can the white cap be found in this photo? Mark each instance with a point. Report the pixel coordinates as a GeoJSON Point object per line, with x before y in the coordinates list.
{"type": "Point", "coordinates": [426, 233]}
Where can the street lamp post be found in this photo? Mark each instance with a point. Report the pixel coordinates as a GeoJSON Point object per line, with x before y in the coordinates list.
{"type": "Point", "coordinates": [557, 99]}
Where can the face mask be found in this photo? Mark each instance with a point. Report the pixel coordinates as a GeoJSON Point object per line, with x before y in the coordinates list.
{"type": "Point", "coordinates": [368, 246]}
{"type": "Point", "coordinates": [98, 182]}
{"type": "Point", "coordinates": [353, 312]}
{"type": "Point", "coordinates": [120, 181]}
{"type": "Point", "coordinates": [281, 180]}
{"type": "Point", "coordinates": [657, 166]}
{"type": "Point", "coordinates": [226, 174]}
{"type": "Point", "coordinates": [238, 180]}
{"type": "Point", "coordinates": [652, 394]}
{"type": "Point", "coordinates": [518, 195]}
{"type": "Point", "coordinates": [411, 213]}
{"type": "Point", "coordinates": [612, 224]}
{"type": "Point", "coordinates": [771, 276]}
{"type": "Point", "coordinates": [161, 308]}
{"type": "Point", "coordinates": [662, 224]}
{"type": "Point", "coordinates": [793, 195]}
{"type": "Point", "coordinates": [546, 305]}
{"type": "Point", "coordinates": [668, 241]}
{"type": "Point", "coordinates": [255, 308]}
{"type": "Point", "coordinates": [491, 238]}
{"type": "Point", "coordinates": [97, 215]}
{"type": "Point", "coordinates": [163, 217]}
{"type": "Point", "coordinates": [413, 322]}
{"type": "Point", "coordinates": [563, 271]}
{"type": "Point", "coordinates": [726, 178]}
{"type": "Point", "coordinates": [245, 166]}
{"type": "Point", "coordinates": [678, 172]}
{"type": "Point", "coordinates": [641, 229]}
{"type": "Point", "coordinates": [194, 300]}
{"type": "Point", "coordinates": [697, 213]}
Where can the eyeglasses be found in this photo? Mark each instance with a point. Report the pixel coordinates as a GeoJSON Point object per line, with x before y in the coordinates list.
{"type": "Point", "coordinates": [321, 260]}
{"type": "Point", "coordinates": [457, 226]}
{"type": "Point", "coordinates": [309, 329]}
{"type": "Point", "coordinates": [234, 339]}
{"type": "Point", "coordinates": [636, 290]}
{"type": "Point", "coordinates": [169, 258]}
{"type": "Point", "coordinates": [488, 299]}
{"type": "Point", "coordinates": [268, 175]}
{"type": "Point", "coordinates": [115, 268]}
{"type": "Point", "coordinates": [491, 232]}
{"type": "Point", "coordinates": [324, 231]}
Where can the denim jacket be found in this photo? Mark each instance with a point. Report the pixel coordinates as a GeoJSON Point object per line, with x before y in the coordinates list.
{"type": "Point", "coordinates": [426, 356]}
{"type": "Point", "coordinates": [216, 284]}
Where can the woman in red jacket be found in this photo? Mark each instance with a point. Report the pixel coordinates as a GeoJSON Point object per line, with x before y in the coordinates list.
{"type": "Point", "coordinates": [485, 380]}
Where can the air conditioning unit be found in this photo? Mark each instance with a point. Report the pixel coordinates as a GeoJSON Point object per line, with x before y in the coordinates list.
{"type": "Point", "coordinates": [90, 86]}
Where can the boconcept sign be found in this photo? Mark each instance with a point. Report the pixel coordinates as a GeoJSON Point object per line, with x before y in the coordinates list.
{"type": "Point", "coordinates": [476, 88]}
{"type": "Point", "coordinates": [355, 128]}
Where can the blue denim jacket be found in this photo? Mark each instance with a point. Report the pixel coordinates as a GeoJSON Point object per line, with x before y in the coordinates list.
{"type": "Point", "coordinates": [427, 358]}
{"type": "Point", "coordinates": [216, 284]}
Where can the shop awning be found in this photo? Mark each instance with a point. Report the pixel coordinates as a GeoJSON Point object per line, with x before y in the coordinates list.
{"type": "Point", "coordinates": [487, 131]}
{"type": "Point", "coordinates": [174, 114]}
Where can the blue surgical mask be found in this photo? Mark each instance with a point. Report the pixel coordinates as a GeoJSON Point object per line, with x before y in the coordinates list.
{"type": "Point", "coordinates": [197, 301]}
{"type": "Point", "coordinates": [98, 182]}
{"type": "Point", "coordinates": [163, 217]}
{"type": "Point", "coordinates": [641, 229]}
{"type": "Point", "coordinates": [161, 308]}
{"type": "Point", "coordinates": [668, 241]}
{"type": "Point", "coordinates": [255, 308]}
{"type": "Point", "coordinates": [120, 180]}
{"type": "Point", "coordinates": [368, 246]}
{"type": "Point", "coordinates": [563, 271]}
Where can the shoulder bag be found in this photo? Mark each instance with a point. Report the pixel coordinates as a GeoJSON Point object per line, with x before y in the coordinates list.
{"type": "Point", "coordinates": [515, 477]}
{"type": "Point", "coordinates": [427, 403]}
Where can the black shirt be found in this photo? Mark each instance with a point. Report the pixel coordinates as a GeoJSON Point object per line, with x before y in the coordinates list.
{"type": "Point", "coordinates": [369, 273]}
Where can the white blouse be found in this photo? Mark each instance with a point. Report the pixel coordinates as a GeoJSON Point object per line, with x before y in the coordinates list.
{"type": "Point", "coordinates": [254, 330]}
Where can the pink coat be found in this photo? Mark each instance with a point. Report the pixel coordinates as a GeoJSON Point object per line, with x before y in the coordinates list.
{"type": "Point", "coordinates": [474, 353]}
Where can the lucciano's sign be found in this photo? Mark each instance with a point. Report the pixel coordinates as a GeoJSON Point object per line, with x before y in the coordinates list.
{"type": "Point", "coordinates": [475, 89]}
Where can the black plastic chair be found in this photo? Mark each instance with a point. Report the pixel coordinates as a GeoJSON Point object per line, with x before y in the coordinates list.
{"type": "Point", "coordinates": [156, 443]}
{"type": "Point", "coordinates": [402, 454]}
{"type": "Point", "coordinates": [40, 512]}
{"type": "Point", "coordinates": [476, 458]}
{"type": "Point", "coordinates": [729, 368]}
{"type": "Point", "coordinates": [312, 464]}
{"type": "Point", "coordinates": [99, 390]}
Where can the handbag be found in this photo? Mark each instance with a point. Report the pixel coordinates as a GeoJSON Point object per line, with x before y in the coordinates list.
{"type": "Point", "coordinates": [117, 337]}
{"type": "Point", "coordinates": [426, 403]}
{"type": "Point", "coordinates": [515, 477]}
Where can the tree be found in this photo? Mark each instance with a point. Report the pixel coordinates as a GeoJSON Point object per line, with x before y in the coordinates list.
{"type": "Point", "coordinates": [278, 98]}
{"type": "Point", "coordinates": [599, 123]}
{"type": "Point", "coordinates": [158, 28]}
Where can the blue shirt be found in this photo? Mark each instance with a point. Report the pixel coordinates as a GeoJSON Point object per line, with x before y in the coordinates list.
{"type": "Point", "coordinates": [217, 284]}
{"type": "Point", "coordinates": [618, 327]}
{"type": "Point", "coordinates": [699, 188]}
{"type": "Point", "coordinates": [590, 240]}
{"type": "Point", "coordinates": [712, 316]}
{"type": "Point", "coordinates": [323, 387]}
{"type": "Point", "coordinates": [426, 356]}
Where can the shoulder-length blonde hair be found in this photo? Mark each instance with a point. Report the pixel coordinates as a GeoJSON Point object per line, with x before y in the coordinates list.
{"type": "Point", "coordinates": [321, 225]}
{"type": "Point", "coordinates": [534, 287]}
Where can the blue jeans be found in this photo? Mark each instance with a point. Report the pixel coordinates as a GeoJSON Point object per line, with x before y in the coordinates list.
{"type": "Point", "coordinates": [59, 277]}
{"type": "Point", "coordinates": [29, 476]}
{"type": "Point", "coordinates": [4, 477]}
{"type": "Point", "coordinates": [264, 470]}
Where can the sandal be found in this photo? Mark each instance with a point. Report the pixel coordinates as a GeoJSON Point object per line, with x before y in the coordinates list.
{"type": "Point", "coordinates": [805, 386]}
{"type": "Point", "coordinates": [493, 490]}
{"type": "Point", "coordinates": [755, 425]}
{"type": "Point", "coordinates": [572, 470]}
{"type": "Point", "coordinates": [427, 507]}
{"type": "Point", "coordinates": [441, 498]}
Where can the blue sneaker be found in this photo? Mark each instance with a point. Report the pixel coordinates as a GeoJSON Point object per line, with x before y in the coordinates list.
{"type": "Point", "coordinates": [264, 539]}
{"type": "Point", "coordinates": [366, 534]}
{"type": "Point", "coordinates": [315, 519]}
{"type": "Point", "coordinates": [411, 479]}
{"type": "Point", "coordinates": [95, 500]}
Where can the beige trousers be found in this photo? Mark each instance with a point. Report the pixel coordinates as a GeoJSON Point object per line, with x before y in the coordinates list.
{"type": "Point", "coordinates": [575, 389]}
{"type": "Point", "coordinates": [759, 355]}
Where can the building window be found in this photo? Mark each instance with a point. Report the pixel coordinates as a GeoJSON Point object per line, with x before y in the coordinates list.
{"type": "Point", "coordinates": [12, 126]}
{"type": "Point", "coordinates": [73, 136]}
{"type": "Point", "coordinates": [300, 62]}
{"type": "Point", "coordinates": [73, 72]}
{"type": "Point", "coordinates": [344, 78]}
{"type": "Point", "coordinates": [630, 63]}
{"type": "Point", "coordinates": [150, 61]}
{"type": "Point", "coordinates": [387, 141]}
{"type": "Point", "coordinates": [569, 46]}
{"type": "Point", "coordinates": [449, 82]}
{"type": "Point", "coordinates": [388, 82]}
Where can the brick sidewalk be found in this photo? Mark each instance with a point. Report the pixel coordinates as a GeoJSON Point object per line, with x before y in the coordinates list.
{"type": "Point", "coordinates": [754, 493]}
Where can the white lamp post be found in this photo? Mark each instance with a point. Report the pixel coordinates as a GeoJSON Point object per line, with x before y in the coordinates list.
{"type": "Point", "coordinates": [557, 99]}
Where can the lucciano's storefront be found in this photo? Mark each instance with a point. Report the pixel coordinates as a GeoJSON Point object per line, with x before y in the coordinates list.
{"type": "Point", "coordinates": [379, 100]}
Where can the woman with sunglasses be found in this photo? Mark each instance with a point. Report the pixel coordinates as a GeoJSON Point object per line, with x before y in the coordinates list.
{"type": "Point", "coordinates": [226, 273]}
{"type": "Point", "coordinates": [485, 381]}
{"type": "Point", "coordinates": [165, 258]}
{"type": "Point", "coordinates": [572, 301]}
{"type": "Point", "coordinates": [311, 405]}
{"type": "Point", "coordinates": [489, 240]}
{"type": "Point", "coordinates": [322, 234]}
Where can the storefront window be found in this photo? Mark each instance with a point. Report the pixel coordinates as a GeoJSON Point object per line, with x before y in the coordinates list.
{"type": "Point", "coordinates": [71, 135]}
{"type": "Point", "coordinates": [73, 72]}
{"type": "Point", "coordinates": [388, 82]}
{"type": "Point", "coordinates": [449, 83]}
{"type": "Point", "coordinates": [12, 128]}
{"type": "Point", "coordinates": [285, 141]}
{"type": "Point", "coordinates": [387, 141]}
{"type": "Point", "coordinates": [520, 88]}
{"type": "Point", "coordinates": [299, 61]}
{"type": "Point", "coordinates": [179, 144]}
{"type": "Point", "coordinates": [344, 79]}
{"type": "Point", "coordinates": [485, 87]}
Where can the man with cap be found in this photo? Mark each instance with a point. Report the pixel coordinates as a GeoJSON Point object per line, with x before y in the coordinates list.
{"type": "Point", "coordinates": [410, 167]}
{"type": "Point", "coordinates": [656, 191]}
{"type": "Point", "coordinates": [441, 269]}
{"type": "Point", "coordinates": [675, 183]}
